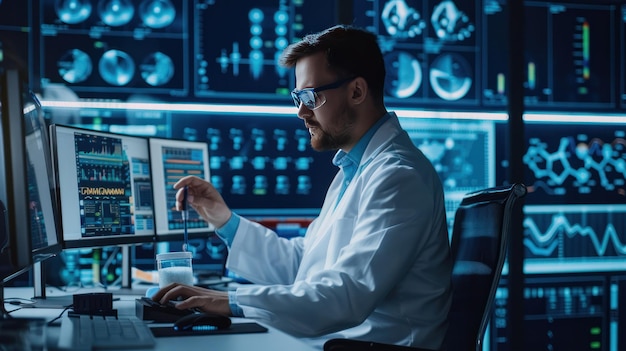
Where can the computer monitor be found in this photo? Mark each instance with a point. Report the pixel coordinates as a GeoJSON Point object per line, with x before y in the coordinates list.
{"type": "Point", "coordinates": [28, 214]}
{"type": "Point", "coordinates": [104, 187]}
{"type": "Point", "coordinates": [171, 160]}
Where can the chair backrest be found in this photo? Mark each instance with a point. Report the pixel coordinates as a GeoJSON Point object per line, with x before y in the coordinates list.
{"type": "Point", "coordinates": [479, 244]}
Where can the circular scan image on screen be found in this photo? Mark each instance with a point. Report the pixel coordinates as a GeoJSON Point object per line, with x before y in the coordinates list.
{"type": "Point", "coordinates": [404, 74]}
{"type": "Point", "coordinates": [157, 13]}
{"type": "Point", "coordinates": [116, 67]}
{"type": "Point", "coordinates": [401, 20]}
{"type": "Point", "coordinates": [116, 13]}
{"type": "Point", "coordinates": [72, 11]}
{"type": "Point", "coordinates": [450, 23]}
{"type": "Point", "coordinates": [157, 69]}
{"type": "Point", "coordinates": [75, 66]}
{"type": "Point", "coordinates": [450, 76]}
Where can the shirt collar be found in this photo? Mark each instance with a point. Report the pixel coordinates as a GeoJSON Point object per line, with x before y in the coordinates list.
{"type": "Point", "coordinates": [353, 157]}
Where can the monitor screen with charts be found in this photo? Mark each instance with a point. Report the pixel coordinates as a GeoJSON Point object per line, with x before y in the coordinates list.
{"type": "Point", "coordinates": [105, 188]}
{"type": "Point", "coordinates": [171, 160]}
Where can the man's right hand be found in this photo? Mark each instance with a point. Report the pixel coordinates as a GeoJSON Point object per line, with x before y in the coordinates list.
{"type": "Point", "coordinates": [204, 198]}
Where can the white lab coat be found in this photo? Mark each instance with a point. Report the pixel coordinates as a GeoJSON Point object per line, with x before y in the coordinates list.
{"type": "Point", "coordinates": [375, 266]}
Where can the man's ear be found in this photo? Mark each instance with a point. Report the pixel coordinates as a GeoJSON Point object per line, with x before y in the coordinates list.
{"type": "Point", "coordinates": [359, 90]}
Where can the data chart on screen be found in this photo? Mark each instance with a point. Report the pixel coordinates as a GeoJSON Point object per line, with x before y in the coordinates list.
{"type": "Point", "coordinates": [431, 49]}
{"type": "Point", "coordinates": [238, 58]}
{"type": "Point", "coordinates": [262, 165]}
{"type": "Point", "coordinates": [105, 187]}
{"type": "Point", "coordinates": [115, 49]}
{"type": "Point", "coordinates": [172, 160]}
{"type": "Point", "coordinates": [570, 55]}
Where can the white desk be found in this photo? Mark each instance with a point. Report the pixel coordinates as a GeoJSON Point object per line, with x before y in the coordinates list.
{"type": "Point", "coordinates": [274, 339]}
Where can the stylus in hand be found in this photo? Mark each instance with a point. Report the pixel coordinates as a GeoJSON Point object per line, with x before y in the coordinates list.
{"type": "Point", "coordinates": [185, 215]}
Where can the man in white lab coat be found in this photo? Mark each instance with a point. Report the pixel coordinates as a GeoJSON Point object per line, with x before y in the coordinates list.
{"type": "Point", "coordinates": [375, 264]}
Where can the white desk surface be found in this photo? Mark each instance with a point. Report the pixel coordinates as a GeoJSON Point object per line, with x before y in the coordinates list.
{"type": "Point", "coordinates": [274, 339]}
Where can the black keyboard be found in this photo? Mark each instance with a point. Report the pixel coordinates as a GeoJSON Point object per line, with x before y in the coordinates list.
{"type": "Point", "coordinates": [101, 333]}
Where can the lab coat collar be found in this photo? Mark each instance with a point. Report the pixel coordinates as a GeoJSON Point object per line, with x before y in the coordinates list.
{"type": "Point", "coordinates": [383, 136]}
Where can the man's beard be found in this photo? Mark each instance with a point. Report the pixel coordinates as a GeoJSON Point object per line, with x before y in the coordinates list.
{"type": "Point", "coordinates": [324, 140]}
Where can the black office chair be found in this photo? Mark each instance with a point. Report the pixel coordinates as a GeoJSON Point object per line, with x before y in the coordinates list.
{"type": "Point", "coordinates": [480, 237]}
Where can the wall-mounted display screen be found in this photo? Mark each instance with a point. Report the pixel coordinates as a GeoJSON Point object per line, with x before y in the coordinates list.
{"type": "Point", "coordinates": [462, 153]}
{"type": "Point", "coordinates": [116, 48]}
{"type": "Point", "coordinates": [570, 55]}
{"type": "Point", "coordinates": [574, 238]}
{"type": "Point", "coordinates": [569, 163]}
{"type": "Point", "coordinates": [449, 55]}
{"type": "Point", "coordinates": [262, 165]}
{"type": "Point", "coordinates": [574, 211]}
{"type": "Point", "coordinates": [563, 313]}
{"type": "Point", "coordinates": [238, 58]}
{"type": "Point", "coordinates": [431, 49]}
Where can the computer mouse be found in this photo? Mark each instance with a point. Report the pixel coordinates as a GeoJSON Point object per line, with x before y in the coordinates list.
{"type": "Point", "coordinates": [202, 321]}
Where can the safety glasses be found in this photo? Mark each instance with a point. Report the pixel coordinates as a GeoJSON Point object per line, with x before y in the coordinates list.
{"type": "Point", "coordinates": [310, 98]}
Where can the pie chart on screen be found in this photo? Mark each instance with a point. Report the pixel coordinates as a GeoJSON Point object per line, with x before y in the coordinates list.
{"type": "Point", "coordinates": [72, 11]}
{"type": "Point", "coordinates": [74, 66]}
{"type": "Point", "coordinates": [450, 76]}
{"type": "Point", "coordinates": [116, 67]}
{"type": "Point", "coordinates": [404, 74]}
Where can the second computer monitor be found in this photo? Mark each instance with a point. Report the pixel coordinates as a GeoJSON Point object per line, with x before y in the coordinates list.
{"type": "Point", "coordinates": [104, 185]}
{"type": "Point", "coordinates": [171, 160]}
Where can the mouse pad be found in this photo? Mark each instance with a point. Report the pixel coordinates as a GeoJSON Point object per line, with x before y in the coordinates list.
{"type": "Point", "coordinates": [235, 328]}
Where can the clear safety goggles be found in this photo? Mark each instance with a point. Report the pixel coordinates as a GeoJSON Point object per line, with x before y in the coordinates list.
{"type": "Point", "coordinates": [310, 98]}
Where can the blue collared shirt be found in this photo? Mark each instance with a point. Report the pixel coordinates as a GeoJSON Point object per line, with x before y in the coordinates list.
{"type": "Point", "coordinates": [349, 161]}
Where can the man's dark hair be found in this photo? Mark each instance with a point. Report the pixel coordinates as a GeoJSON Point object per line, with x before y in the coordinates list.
{"type": "Point", "coordinates": [350, 52]}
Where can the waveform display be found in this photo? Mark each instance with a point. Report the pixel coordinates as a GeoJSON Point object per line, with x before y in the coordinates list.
{"type": "Point", "coordinates": [574, 238]}
{"type": "Point", "coordinates": [104, 186]}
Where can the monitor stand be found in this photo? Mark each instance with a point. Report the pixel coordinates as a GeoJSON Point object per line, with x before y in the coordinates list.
{"type": "Point", "coordinates": [43, 300]}
{"type": "Point", "coordinates": [127, 275]}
